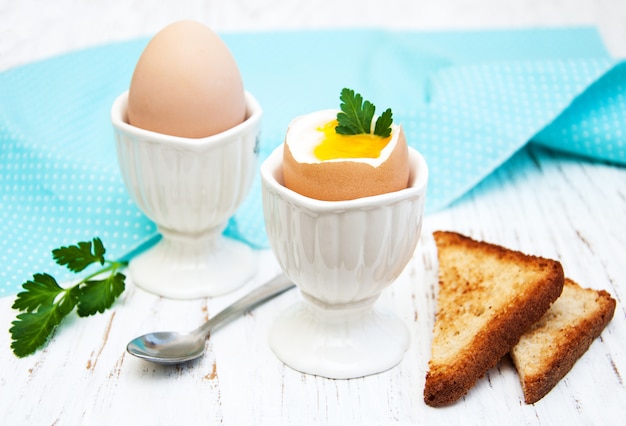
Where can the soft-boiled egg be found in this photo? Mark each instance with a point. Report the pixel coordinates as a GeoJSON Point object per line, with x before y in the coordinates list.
{"type": "Point", "coordinates": [322, 164]}
{"type": "Point", "coordinates": [186, 83]}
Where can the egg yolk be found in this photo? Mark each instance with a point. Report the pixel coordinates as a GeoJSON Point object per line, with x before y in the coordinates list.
{"type": "Point", "coordinates": [336, 146]}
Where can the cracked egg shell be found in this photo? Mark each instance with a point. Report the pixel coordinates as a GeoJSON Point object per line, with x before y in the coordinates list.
{"type": "Point", "coordinates": [340, 178]}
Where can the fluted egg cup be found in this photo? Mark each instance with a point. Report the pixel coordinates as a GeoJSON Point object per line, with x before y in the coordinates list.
{"type": "Point", "coordinates": [341, 255]}
{"type": "Point", "coordinates": [189, 188]}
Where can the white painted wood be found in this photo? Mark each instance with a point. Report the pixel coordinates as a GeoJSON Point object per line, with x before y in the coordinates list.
{"type": "Point", "coordinates": [571, 209]}
{"type": "Point", "coordinates": [34, 29]}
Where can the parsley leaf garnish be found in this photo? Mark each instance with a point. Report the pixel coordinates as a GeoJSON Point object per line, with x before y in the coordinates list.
{"type": "Point", "coordinates": [99, 295]}
{"type": "Point", "coordinates": [44, 303]}
{"type": "Point", "coordinates": [356, 116]}
{"type": "Point", "coordinates": [41, 290]}
{"type": "Point", "coordinates": [383, 124]}
{"type": "Point", "coordinates": [80, 256]}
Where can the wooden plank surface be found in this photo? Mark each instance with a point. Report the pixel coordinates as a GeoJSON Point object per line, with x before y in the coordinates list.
{"type": "Point", "coordinates": [570, 210]}
{"type": "Point", "coordinates": [540, 202]}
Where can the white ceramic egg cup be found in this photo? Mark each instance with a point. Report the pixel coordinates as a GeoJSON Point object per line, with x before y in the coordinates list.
{"type": "Point", "coordinates": [189, 188]}
{"type": "Point", "coordinates": [341, 255]}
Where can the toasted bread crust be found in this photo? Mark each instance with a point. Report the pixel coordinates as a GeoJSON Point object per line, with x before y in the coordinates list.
{"type": "Point", "coordinates": [472, 292]}
{"type": "Point", "coordinates": [549, 350]}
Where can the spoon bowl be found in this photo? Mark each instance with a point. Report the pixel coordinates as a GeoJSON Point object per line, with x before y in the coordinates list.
{"type": "Point", "coordinates": [168, 347]}
{"type": "Point", "coordinates": [173, 347]}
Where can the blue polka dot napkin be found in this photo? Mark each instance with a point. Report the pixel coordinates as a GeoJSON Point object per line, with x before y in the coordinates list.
{"type": "Point", "coordinates": [467, 101]}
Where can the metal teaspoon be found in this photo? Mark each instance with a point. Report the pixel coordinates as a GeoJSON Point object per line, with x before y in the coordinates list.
{"type": "Point", "coordinates": [171, 347]}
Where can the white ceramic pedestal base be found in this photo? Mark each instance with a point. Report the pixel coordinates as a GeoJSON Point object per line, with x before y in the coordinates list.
{"type": "Point", "coordinates": [186, 267]}
{"type": "Point", "coordinates": [338, 343]}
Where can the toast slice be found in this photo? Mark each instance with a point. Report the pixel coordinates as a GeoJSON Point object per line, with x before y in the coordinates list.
{"type": "Point", "coordinates": [551, 347]}
{"type": "Point", "coordinates": [488, 297]}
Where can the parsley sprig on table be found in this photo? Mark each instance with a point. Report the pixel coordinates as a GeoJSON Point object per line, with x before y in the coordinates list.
{"type": "Point", "coordinates": [356, 116]}
{"type": "Point", "coordinates": [44, 303]}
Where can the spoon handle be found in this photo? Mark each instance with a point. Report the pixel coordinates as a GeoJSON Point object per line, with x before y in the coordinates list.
{"type": "Point", "coordinates": [271, 289]}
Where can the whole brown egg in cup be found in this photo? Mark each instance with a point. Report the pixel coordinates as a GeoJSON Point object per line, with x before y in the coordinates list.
{"type": "Point", "coordinates": [186, 134]}
{"type": "Point", "coordinates": [186, 83]}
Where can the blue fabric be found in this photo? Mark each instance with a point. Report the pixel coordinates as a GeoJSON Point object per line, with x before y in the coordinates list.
{"type": "Point", "coordinates": [467, 100]}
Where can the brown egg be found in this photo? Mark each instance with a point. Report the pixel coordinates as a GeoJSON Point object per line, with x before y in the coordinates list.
{"type": "Point", "coordinates": [186, 83]}
{"type": "Point", "coordinates": [341, 178]}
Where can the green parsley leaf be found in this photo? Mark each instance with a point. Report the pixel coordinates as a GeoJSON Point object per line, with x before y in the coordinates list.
{"type": "Point", "coordinates": [383, 124]}
{"type": "Point", "coordinates": [97, 296]}
{"type": "Point", "coordinates": [44, 303]}
{"type": "Point", "coordinates": [80, 256]}
{"type": "Point", "coordinates": [356, 116]}
{"type": "Point", "coordinates": [32, 329]}
{"type": "Point", "coordinates": [40, 291]}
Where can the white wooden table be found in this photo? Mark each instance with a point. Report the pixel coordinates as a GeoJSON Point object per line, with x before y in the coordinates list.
{"type": "Point", "coordinates": [571, 210]}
